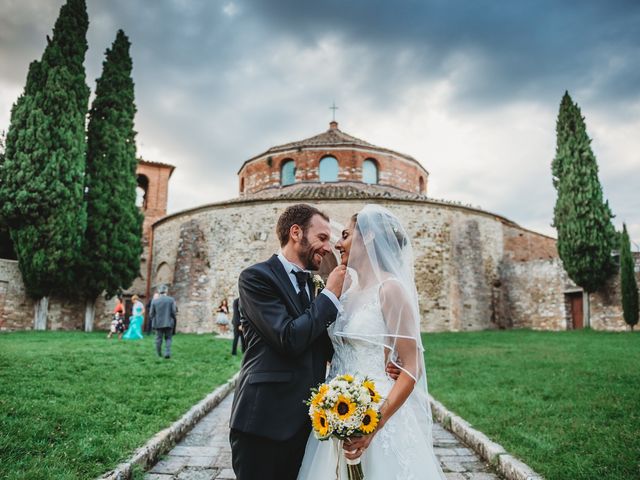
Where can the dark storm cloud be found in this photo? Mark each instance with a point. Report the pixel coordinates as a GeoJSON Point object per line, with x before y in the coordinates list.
{"type": "Point", "coordinates": [218, 82]}
{"type": "Point", "coordinates": [524, 48]}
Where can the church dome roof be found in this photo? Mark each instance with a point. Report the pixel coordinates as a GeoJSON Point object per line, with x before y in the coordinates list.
{"type": "Point", "coordinates": [341, 190]}
{"type": "Point", "coordinates": [331, 157]}
{"type": "Point", "coordinates": [332, 138]}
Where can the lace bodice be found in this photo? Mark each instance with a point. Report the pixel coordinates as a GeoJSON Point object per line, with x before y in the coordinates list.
{"type": "Point", "coordinates": [355, 354]}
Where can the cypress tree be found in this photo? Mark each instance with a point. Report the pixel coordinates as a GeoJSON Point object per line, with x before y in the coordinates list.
{"type": "Point", "coordinates": [41, 177]}
{"type": "Point", "coordinates": [582, 219]}
{"type": "Point", "coordinates": [6, 246]}
{"type": "Point", "coordinates": [112, 244]}
{"type": "Point", "coordinates": [628, 284]}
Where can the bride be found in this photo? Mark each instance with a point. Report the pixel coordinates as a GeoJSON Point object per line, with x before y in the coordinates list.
{"type": "Point", "coordinates": [379, 322]}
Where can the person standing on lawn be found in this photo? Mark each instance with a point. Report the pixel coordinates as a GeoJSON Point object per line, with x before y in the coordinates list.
{"type": "Point", "coordinates": [236, 321]}
{"type": "Point", "coordinates": [163, 319]}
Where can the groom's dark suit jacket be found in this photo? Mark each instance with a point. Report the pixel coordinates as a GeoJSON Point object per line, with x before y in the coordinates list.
{"type": "Point", "coordinates": [286, 355]}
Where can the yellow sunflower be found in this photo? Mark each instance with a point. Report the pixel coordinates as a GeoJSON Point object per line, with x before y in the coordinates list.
{"type": "Point", "coordinates": [319, 397]}
{"type": "Point", "coordinates": [344, 407]}
{"type": "Point", "coordinates": [347, 377]}
{"type": "Point", "coordinates": [369, 421]}
{"type": "Point", "coordinates": [369, 385]}
{"type": "Point", "coordinates": [320, 423]}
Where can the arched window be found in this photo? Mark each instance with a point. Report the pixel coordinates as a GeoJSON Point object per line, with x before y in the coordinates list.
{"type": "Point", "coordinates": [287, 172]}
{"type": "Point", "coordinates": [328, 169]}
{"type": "Point", "coordinates": [141, 191]}
{"type": "Point", "coordinates": [421, 184]}
{"type": "Point", "coordinates": [241, 184]}
{"type": "Point", "coordinates": [370, 171]}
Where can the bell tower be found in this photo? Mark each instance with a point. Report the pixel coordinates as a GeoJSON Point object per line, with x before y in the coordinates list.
{"type": "Point", "coordinates": [153, 191]}
{"type": "Point", "coordinates": [152, 196]}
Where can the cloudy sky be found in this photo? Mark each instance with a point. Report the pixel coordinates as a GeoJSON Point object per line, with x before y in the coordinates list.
{"type": "Point", "coordinates": [471, 89]}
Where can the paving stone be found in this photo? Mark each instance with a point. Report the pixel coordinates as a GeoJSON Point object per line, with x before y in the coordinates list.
{"type": "Point", "coordinates": [188, 451]}
{"type": "Point", "coordinates": [454, 476]}
{"type": "Point", "coordinates": [205, 453]}
{"type": "Point", "coordinates": [190, 473]}
{"type": "Point", "coordinates": [483, 476]}
{"type": "Point", "coordinates": [226, 474]}
{"type": "Point", "coordinates": [157, 476]}
{"type": "Point", "coordinates": [457, 458]}
{"type": "Point", "coordinates": [196, 440]}
{"type": "Point", "coordinates": [207, 461]}
{"type": "Point", "coordinates": [448, 466]}
{"type": "Point", "coordinates": [171, 465]}
{"type": "Point", "coordinates": [475, 466]}
{"type": "Point", "coordinates": [444, 451]}
{"type": "Point", "coordinates": [465, 451]}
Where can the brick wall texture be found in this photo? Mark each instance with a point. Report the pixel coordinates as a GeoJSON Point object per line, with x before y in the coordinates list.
{"type": "Point", "coordinates": [264, 172]}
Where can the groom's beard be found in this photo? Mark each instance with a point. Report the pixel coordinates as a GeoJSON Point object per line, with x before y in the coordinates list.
{"type": "Point", "coordinates": [308, 255]}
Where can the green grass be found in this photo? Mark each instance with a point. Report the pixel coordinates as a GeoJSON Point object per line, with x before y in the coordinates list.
{"type": "Point", "coordinates": [74, 405]}
{"type": "Point", "coordinates": [567, 403]}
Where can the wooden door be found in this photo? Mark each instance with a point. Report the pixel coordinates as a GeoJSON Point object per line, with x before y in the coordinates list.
{"type": "Point", "coordinates": [577, 315]}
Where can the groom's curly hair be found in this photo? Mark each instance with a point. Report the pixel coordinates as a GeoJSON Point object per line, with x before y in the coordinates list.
{"type": "Point", "coordinates": [298, 214]}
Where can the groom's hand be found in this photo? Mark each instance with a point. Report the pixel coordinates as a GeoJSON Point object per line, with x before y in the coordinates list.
{"type": "Point", "coordinates": [393, 370]}
{"type": "Point", "coordinates": [336, 280]}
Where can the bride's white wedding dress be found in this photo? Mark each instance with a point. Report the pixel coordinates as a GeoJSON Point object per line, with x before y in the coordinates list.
{"type": "Point", "coordinates": [402, 449]}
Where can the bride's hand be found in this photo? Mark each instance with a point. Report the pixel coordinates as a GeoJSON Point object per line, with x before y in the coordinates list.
{"type": "Point", "coordinates": [354, 447]}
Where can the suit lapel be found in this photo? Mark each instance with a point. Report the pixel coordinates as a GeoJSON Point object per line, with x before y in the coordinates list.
{"type": "Point", "coordinates": [285, 282]}
{"type": "Point", "coordinates": [312, 288]}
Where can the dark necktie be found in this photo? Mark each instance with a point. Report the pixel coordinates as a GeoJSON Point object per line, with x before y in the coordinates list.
{"type": "Point", "coordinates": [302, 278]}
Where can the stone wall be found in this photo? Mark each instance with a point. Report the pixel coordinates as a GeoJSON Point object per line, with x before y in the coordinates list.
{"type": "Point", "coordinates": [474, 270]}
{"type": "Point", "coordinates": [532, 294]}
{"type": "Point", "coordinates": [17, 308]}
{"type": "Point", "coordinates": [457, 253]}
{"type": "Point", "coordinates": [606, 304]}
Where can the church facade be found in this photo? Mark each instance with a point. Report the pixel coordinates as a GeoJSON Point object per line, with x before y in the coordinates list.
{"type": "Point", "coordinates": [474, 269]}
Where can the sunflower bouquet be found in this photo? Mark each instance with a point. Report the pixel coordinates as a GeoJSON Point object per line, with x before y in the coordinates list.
{"type": "Point", "coordinates": [347, 406]}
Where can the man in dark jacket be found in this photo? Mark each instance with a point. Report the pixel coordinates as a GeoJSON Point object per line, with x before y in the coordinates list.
{"type": "Point", "coordinates": [163, 319]}
{"type": "Point", "coordinates": [236, 321]}
{"type": "Point", "coordinates": [288, 348]}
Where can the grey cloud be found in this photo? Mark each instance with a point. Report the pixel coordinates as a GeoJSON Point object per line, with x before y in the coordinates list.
{"type": "Point", "coordinates": [213, 90]}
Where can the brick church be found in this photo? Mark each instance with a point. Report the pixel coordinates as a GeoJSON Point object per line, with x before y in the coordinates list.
{"type": "Point", "coordinates": [474, 269]}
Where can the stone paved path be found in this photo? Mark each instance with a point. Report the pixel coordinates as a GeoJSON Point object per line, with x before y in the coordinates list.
{"type": "Point", "coordinates": [205, 454]}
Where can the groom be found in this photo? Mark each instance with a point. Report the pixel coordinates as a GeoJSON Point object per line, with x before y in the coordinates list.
{"type": "Point", "coordinates": [287, 348]}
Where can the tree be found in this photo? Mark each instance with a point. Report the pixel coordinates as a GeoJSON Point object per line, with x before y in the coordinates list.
{"type": "Point", "coordinates": [41, 177]}
{"type": "Point", "coordinates": [586, 236]}
{"type": "Point", "coordinates": [628, 284]}
{"type": "Point", "coordinates": [112, 244]}
{"type": "Point", "coordinates": [6, 247]}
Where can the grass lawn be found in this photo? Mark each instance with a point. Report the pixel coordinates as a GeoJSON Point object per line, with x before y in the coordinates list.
{"type": "Point", "coordinates": [73, 405]}
{"type": "Point", "coordinates": [567, 403]}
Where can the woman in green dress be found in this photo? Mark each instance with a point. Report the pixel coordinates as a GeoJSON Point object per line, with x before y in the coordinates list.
{"type": "Point", "coordinates": [134, 332]}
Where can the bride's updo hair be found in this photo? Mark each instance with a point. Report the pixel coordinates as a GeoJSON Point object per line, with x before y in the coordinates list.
{"type": "Point", "coordinates": [397, 229]}
{"type": "Point", "coordinates": [379, 226]}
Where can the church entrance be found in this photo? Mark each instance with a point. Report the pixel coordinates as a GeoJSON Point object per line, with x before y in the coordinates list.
{"type": "Point", "coordinates": [573, 302]}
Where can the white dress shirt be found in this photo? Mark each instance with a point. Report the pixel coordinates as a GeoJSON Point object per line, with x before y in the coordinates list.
{"type": "Point", "coordinates": [291, 267]}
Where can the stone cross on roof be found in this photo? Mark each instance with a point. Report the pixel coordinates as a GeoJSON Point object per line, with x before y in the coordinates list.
{"type": "Point", "coordinates": [334, 108]}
